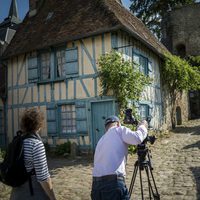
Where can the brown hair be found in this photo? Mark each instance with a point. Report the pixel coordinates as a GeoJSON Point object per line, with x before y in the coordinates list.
{"type": "Point", "coordinates": [32, 120]}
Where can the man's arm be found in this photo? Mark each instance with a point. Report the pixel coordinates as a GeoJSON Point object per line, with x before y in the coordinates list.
{"type": "Point", "coordinates": [135, 137]}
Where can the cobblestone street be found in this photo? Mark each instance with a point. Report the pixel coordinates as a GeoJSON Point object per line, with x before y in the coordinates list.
{"type": "Point", "coordinates": [176, 162]}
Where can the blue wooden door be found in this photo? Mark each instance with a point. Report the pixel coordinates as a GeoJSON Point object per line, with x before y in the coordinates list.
{"type": "Point", "coordinates": [100, 111]}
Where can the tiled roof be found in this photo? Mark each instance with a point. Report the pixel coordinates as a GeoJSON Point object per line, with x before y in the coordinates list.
{"type": "Point", "coordinates": [60, 21]}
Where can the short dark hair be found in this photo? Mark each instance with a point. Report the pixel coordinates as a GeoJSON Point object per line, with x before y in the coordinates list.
{"type": "Point", "coordinates": [32, 120]}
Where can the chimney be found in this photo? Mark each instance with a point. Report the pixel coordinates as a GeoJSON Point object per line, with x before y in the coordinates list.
{"type": "Point", "coordinates": [34, 6]}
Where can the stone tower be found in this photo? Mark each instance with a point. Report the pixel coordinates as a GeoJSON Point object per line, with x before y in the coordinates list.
{"type": "Point", "coordinates": [181, 30]}
{"type": "Point", "coordinates": [181, 35]}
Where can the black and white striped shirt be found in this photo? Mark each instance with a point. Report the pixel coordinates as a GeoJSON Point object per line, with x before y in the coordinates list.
{"type": "Point", "coordinates": [35, 157]}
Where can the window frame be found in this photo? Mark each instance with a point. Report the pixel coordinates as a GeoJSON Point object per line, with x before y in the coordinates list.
{"type": "Point", "coordinates": [147, 111]}
{"type": "Point", "coordinates": [40, 65]}
{"type": "Point", "coordinates": [61, 48]}
{"type": "Point", "coordinates": [59, 110]}
{"type": "Point", "coordinates": [53, 65]}
{"type": "Point", "coordinates": [146, 70]}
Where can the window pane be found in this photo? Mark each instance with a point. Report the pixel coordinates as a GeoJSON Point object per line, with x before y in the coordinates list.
{"type": "Point", "coordinates": [143, 65]}
{"type": "Point", "coordinates": [45, 66]}
{"type": "Point", "coordinates": [136, 58]}
{"type": "Point", "coordinates": [68, 119]}
{"type": "Point", "coordinates": [60, 63]}
{"type": "Point", "coordinates": [144, 111]}
{"type": "Point", "coordinates": [32, 62]}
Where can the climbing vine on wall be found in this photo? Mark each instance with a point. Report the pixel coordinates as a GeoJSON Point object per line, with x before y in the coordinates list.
{"type": "Point", "coordinates": [121, 78]}
{"type": "Point", "coordinates": [194, 61]}
{"type": "Point", "coordinates": [179, 76]}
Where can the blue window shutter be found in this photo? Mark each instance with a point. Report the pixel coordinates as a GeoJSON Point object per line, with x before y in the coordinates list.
{"type": "Point", "coordinates": [71, 66]}
{"type": "Point", "coordinates": [81, 118]}
{"type": "Point", "coordinates": [33, 74]}
{"type": "Point", "coordinates": [72, 54]}
{"type": "Point", "coordinates": [114, 40]}
{"type": "Point", "coordinates": [52, 119]}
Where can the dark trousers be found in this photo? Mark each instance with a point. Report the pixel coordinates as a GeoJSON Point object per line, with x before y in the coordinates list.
{"type": "Point", "coordinates": [109, 189]}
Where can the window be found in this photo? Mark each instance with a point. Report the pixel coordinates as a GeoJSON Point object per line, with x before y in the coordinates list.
{"type": "Point", "coordinates": [143, 111]}
{"type": "Point", "coordinates": [45, 66]}
{"type": "Point", "coordinates": [60, 63]}
{"type": "Point", "coordinates": [68, 119]}
{"type": "Point", "coordinates": [142, 62]}
{"type": "Point", "coordinates": [32, 68]}
{"type": "Point", "coordinates": [181, 50]}
{"type": "Point", "coordinates": [66, 62]}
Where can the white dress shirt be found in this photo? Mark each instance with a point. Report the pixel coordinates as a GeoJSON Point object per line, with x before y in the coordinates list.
{"type": "Point", "coordinates": [112, 150]}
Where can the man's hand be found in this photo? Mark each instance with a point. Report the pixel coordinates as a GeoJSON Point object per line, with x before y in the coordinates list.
{"type": "Point", "coordinates": [144, 122]}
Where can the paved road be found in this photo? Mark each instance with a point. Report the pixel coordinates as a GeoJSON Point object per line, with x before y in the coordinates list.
{"type": "Point", "coordinates": [176, 162]}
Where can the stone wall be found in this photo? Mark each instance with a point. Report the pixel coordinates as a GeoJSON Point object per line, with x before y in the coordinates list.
{"type": "Point", "coordinates": [182, 109]}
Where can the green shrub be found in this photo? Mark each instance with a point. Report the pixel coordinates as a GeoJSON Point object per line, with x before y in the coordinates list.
{"type": "Point", "coordinates": [63, 148]}
{"type": "Point", "coordinates": [132, 149]}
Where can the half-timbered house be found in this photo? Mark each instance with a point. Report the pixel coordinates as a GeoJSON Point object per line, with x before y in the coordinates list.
{"type": "Point", "coordinates": [52, 64]}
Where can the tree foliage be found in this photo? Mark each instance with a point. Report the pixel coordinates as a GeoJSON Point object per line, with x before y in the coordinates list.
{"type": "Point", "coordinates": [151, 12]}
{"type": "Point", "coordinates": [119, 77]}
{"type": "Point", "coordinates": [194, 61]}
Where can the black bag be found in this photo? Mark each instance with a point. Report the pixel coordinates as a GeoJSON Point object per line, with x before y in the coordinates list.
{"type": "Point", "coordinates": [12, 169]}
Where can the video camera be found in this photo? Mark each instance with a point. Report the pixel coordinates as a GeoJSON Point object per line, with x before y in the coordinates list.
{"type": "Point", "coordinates": [130, 119]}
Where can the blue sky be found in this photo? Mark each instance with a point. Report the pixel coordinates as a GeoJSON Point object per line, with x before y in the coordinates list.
{"type": "Point", "coordinates": [23, 7]}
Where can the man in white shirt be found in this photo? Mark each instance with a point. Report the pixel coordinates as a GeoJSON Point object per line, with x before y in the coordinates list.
{"type": "Point", "coordinates": [110, 159]}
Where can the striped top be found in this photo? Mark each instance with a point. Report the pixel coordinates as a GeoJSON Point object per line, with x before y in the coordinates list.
{"type": "Point", "coordinates": [35, 157]}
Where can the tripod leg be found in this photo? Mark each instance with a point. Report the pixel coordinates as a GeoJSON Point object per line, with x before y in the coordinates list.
{"type": "Point", "coordinates": [141, 185]}
{"type": "Point", "coordinates": [149, 183]}
{"type": "Point", "coordinates": [133, 178]}
{"type": "Point", "coordinates": [156, 195]}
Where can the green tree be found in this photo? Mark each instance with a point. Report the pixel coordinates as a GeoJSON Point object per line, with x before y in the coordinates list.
{"type": "Point", "coordinates": [121, 79]}
{"type": "Point", "coordinates": [151, 12]}
{"type": "Point", "coordinates": [179, 76]}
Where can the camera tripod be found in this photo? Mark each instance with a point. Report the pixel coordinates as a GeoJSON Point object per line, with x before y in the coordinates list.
{"type": "Point", "coordinates": [144, 163]}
